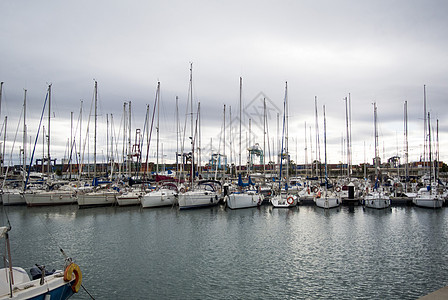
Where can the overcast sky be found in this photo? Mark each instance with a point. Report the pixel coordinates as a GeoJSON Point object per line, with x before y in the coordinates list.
{"type": "Point", "coordinates": [378, 51]}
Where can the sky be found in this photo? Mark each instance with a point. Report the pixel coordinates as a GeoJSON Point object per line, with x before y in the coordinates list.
{"type": "Point", "coordinates": [374, 51]}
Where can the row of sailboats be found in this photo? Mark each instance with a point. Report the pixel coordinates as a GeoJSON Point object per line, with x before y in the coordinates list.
{"type": "Point", "coordinates": [202, 193]}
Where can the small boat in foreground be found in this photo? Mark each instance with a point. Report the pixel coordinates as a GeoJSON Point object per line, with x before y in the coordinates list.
{"type": "Point", "coordinates": [16, 284]}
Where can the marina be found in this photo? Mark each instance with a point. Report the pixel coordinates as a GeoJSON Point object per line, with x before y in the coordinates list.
{"type": "Point", "coordinates": [262, 252]}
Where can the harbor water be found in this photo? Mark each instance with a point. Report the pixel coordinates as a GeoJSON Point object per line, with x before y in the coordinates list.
{"type": "Point", "coordinates": [259, 253]}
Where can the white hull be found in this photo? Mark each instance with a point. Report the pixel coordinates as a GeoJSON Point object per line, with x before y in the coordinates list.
{"type": "Point", "coordinates": [13, 198]}
{"type": "Point", "coordinates": [129, 198]}
{"type": "Point", "coordinates": [284, 201]}
{"type": "Point", "coordinates": [376, 200]}
{"type": "Point", "coordinates": [49, 198]}
{"type": "Point", "coordinates": [97, 199]}
{"type": "Point", "coordinates": [162, 197]}
{"type": "Point", "coordinates": [429, 202]}
{"type": "Point", "coordinates": [194, 199]}
{"type": "Point", "coordinates": [327, 202]}
{"type": "Point", "coordinates": [244, 200]}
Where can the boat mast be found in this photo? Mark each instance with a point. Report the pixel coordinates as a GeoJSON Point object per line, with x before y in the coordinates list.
{"type": "Point", "coordinates": [192, 126]}
{"type": "Point", "coordinates": [24, 141]}
{"type": "Point", "coordinates": [71, 144]}
{"type": "Point", "coordinates": [306, 154]}
{"type": "Point", "coordinates": [376, 139]}
{"type": "Point", "coordinates": [429, 150]}
{"type": "Point", "coordinates": [177, 135]}
{"type": "Point", "coordinates": [286, 134]}
{"type": "Point", "coordinates": [230, 140]}
{"type": "Point", "coordinates": [348, 138]}
{"type": "Point", "coordinates": [80, 142]}
{"type": "Point", "coordinates": [129, 169]}
{"type": "Point", "coordinates": [94, 138]}
{"type": "Point", "coordinates": [49, 131]}
{"type": "Point", "coordinates": [264, 137]}
{"type": "Point", "coordinates": [317, 139]}
{"type": "Point", "coordinates": [224, 158]}
{"type": "Point", "coordinates": [325, 151]}
{"type": "Point", "coordinates": [158, 127]}
{"type": "Point", "coordinates": [241, 88]}
{"type": "Point", "coordinates": [424, 127]}
{"type": "Point", "coordinates": [406, 146]}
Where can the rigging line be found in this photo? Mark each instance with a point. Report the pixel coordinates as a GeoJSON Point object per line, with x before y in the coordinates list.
{"type": "Point", "coordinates": [84, 288]}
{"type": "Point", "coordinates": [53, 238]}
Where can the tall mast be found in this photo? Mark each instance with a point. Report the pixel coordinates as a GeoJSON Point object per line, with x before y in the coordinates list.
{"type": "Point", "coordinates": [129, 142]}
{"type": "Point", "coordinates": [80, 142]}
{"type": "Point", "coordinates": [49, 129]}
{"type": "Point", "coordinates": [123, 149]}
{"type": "Point", "coordinates": [230, 140]}
{"type": "Point", "coordinates": [406, 145]}
{"type": "Point", "coordinates": [348, 138]}
{"type": "Point", "coordinates": [350, 133]}
{"type": "Point", "coordinates": [177, 135]}
{"type": "Point", "coordinates": [158, 127]}
{"type": "Point", "coordinates": [111, 159]}
{"type": "Point", "coordinates": [107, 141]}
{"type": "Point", "coordinates": [376, 138]}
{"type": "Point", "coordinates": [24, 140]}
{"type": "Point", "coordinates": [429, 150]}
{"type": "Point", "coordinates": [224, 158]}
{"type": "Point", "coordinates": [264, 137]}
{"type": "Point", "coordinates": [241, 108]}
{"type": "Point", "coordinates": [306, 153]}
{"type": "Point", "coordinates": [71, 144]}
{"type": "Point", "coordinates": [94, 138]}
{"type": "Point", "coordinates": [424, 126]}
{"type": "Point", "coordinates": [286, 133]}
{"type": "Point", "coordinates": [317, 138]}
{"type": "Point", "coordinates": [325, 150]}
{"type": "Point", "coordinates": [192, 125]}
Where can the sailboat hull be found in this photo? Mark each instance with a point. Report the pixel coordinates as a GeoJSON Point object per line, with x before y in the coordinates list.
{"type": "Point", "coordinates": [429, 202]}
{"type": "Point", "coordinates": [13, 199]}
{"type": "Point", "coordinates": [376, 200]}
{"type": "Point", "coordinates": [49, 198]}
{"type": "Point", "coordinates": [243, 200]}
{"type": "Point", "coordinates": [327, 202]}
{"type": "Point", "coordinates": [159, 198]}
{"type": "Point", "coordinates": [197, 199]}
{"type": "Point", "coordinates": [97, 199]}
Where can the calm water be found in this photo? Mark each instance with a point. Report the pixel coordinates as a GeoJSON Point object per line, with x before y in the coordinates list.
{"type": "Point", "coordinates": [259, 253]}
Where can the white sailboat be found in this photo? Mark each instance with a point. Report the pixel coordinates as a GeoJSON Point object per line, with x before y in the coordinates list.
{"type": "Point", "coordinates": [377, 198]}
{"type": "Point", "coordinates": [101, 196]}
{"type": "Point", "coordinates": [205, 193]}
{"type": "Point", "coordinates": [58, 196]}
{"type": "Point", "coordinates": [284, 198]}
{"type": "Point", "coordinates": [426, 196]}
{"type": "Point", "coordinates": [243, 198]}
{"type": "Point", "coordinates": [328, 199]}
{"type": "Point", "coordinates": [166, 195]}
